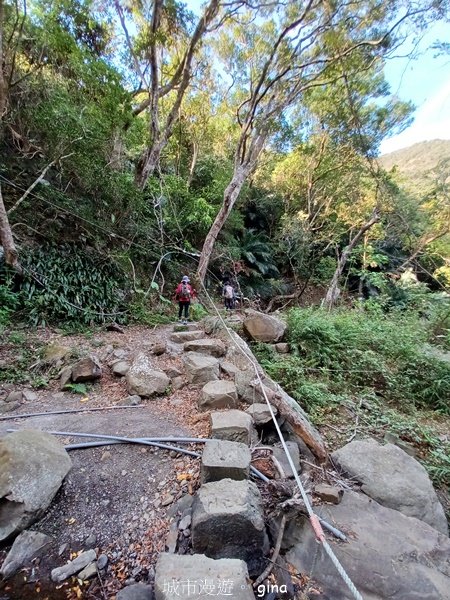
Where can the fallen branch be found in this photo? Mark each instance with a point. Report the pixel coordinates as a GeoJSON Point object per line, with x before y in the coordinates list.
{"type": "Point", "coordinates": [275, 554]}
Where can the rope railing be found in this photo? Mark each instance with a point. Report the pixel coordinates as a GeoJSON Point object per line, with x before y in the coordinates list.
{"type": "Point", "coordinates": [314, 519]}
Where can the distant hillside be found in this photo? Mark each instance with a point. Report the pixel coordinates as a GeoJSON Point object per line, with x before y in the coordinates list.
{"type": "Point", "coordinates": [418, 163]}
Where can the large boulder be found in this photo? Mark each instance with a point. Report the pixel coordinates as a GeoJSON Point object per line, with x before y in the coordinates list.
{"type": "Point", "coordinates": [392, 478]}
{"type": "Point", "coordinates": [27, 545]}
{"type": "Point", "coordinates": [200, 368]}
{"type": "Point", "coordinates": [142, 379]}
{"type": "Point", "coordinates": [197, 576]}
{"type": "Point", "coordinates": [228, 522]}
{"type": "Point", "coordinates": [211, 347]}
{"type": "Point", "coordinates": [86, 369]}
{"type": "Point", "coordinates": [218, 394]}
{"type": "Point", "coordinates": [264, 328]}
{"type": "Point", "coordinates": [32, 467]}
{"type": "Point", "coordinates": [388, 555]}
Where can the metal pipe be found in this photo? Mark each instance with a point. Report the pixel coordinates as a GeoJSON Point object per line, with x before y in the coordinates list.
{"type": "Point", "coordinates": [108, 440]}
{"type": "Point", "coordinates": [65, 412]}
{"type": "Point", "coordinates": [145, 442]}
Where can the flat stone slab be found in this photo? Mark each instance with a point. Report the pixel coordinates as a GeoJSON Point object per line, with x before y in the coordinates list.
{"type": "Point", "coordinates": [392, 478]}
{"type": "Point", "coordinates": [180, 337]}
{"type": "Point", "coordinates": [201, 368]}
{"type": "Point", "coordinates": [222, 459]}
{"type": "Point", "coordinates": [208, 346]}
{"type": "Point", "coordinates": [232, 425]}
{"type": "Point", "coordinates": [196, 576]}
{"type": "Point", "coordinates": [228, 522]}
{"type": "Point", "coordinates": [218, 394]}
{"type": "Point", "coordinates": [388, 555]}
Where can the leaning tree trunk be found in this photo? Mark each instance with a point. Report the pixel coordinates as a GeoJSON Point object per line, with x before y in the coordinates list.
{"type": "Point", "coordinates": [333, 289]}
{"type": "Point", "coordinates": [230, 196]}
{"type": "Point", "coordinates": [6, 238]}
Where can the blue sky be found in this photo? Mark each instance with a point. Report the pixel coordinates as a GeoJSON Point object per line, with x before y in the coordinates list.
{"type": "Point", "coordinates": [426, 82]}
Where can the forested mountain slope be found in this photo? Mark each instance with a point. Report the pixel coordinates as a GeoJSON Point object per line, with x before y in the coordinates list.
{"type": "Point", "coordinates": [420, 163]}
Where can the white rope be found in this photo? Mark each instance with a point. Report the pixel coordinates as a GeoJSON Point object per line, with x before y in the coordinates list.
{"type": "Point", "coordinates": [314, 519]}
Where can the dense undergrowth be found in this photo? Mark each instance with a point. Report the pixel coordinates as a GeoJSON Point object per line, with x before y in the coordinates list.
{"type": "Point", "coordinates": [365, 371]}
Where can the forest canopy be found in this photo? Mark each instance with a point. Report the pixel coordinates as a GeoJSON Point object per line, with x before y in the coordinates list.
{"type": "Point", "coordinates": [144, 139]}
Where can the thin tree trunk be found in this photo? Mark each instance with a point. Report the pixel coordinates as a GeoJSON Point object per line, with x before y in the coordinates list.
{"type": "Point", "coordinates": [148, 163]}
{"type": "Point", "coordinates": [6, 238]}
{"type": "Point", "coordinates": [160, 136]}
{"type": "Point", "coordinates": [3, 82]}
{"type": "Point", "coordinates": [193, 164]}
{"type": "Point", "coordinates": [333, 289]}
{"type": "Point", "coordinates": [229, 199]}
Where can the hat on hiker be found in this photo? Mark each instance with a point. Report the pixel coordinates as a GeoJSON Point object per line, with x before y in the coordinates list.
{"type": "Point", "coordinates": [186, 279]}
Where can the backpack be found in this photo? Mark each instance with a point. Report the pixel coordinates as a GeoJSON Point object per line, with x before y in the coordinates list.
{"type": "Point", "coordinates": [185, 291]}
{"type": "Point", "coordinates": [228, 291]}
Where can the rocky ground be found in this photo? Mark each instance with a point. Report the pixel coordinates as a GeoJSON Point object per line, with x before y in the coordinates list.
{"type": "Point", "coordinates": [116, 497]}
{"type": "Point", "coordinates": [129, 503]}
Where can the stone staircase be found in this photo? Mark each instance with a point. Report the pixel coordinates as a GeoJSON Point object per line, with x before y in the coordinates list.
{"type": "Point", "coordinates": [227, 525]}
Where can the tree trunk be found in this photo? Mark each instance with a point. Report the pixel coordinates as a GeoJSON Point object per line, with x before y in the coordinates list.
{"type": "Point", "coordinates": [229, 199]}
{"type": "Point", "coordinates": [193, 164]}
{"type": "Point", "coordinates": [148, 163]}
{"type": "Point", "coordinates": [333, 290]}
{"type": "Point", "coordinates": [6, 238]}
{"type": "Point", "coordinates": [3, 83]}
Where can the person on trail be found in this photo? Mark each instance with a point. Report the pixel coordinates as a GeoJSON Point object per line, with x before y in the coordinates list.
{"type": "Point", "coordinates": [228, 295]}
{"type": "Point", "coordinates": [184, 294]}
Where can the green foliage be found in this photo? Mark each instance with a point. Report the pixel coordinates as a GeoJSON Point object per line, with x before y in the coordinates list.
{"type": "Point", "coordinates": [197, 311]}
{"type": "Point", "coordinates": [9, 300]}
{"type": "Point", "coordinates": [324, 269]}
{"type": "Point", "coordinates": [382, 352]}
{"type": "Point", "coordinates": [76, 388]}
{"type": "Point", "coordinates": [150, 311]}
{"type": "Point", "coordinates": [68, 283]}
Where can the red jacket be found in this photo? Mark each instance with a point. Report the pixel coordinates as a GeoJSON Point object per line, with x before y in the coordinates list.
{"type": "Point", "coordinates": [184, 298]}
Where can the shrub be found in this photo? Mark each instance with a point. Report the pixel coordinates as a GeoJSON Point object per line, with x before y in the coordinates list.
{"type": "Point", "coordinates": [68, 283]}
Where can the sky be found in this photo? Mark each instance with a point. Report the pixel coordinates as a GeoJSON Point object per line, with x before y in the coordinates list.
{"type": "Point", "coordinates": [426, 82]}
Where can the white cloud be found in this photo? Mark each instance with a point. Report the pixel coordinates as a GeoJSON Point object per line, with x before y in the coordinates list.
{"type": "Point", "coordinates": [432, 121]}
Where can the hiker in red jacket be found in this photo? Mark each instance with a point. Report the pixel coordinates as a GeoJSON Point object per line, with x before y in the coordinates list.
{"type": "Point", "coordinates": [184, 294]}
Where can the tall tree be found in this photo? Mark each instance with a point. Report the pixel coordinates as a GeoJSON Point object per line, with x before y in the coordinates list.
{"type": "Point", "coordinates": [152, 72]}
{"type": "Point", "coordinates": [301, 47]}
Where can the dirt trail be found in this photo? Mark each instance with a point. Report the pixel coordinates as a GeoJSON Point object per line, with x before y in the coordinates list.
{"type": "Point", "coordinates": [116, 497]}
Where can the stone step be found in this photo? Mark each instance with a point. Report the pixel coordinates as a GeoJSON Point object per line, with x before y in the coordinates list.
{"type": "Point", "coordinates": [260, 413]}
{"type": "Point", "coordinates": [222, 459]}
{"type": "Point", "coordinates": [180, 337]}
{"type": "Point", "coordinates": [197, 576]}
{"type": "Point", "coordinates": [201, 368]}
{"type": "Point", "coordinates": [211, 347]}
{"type": "Point", "coordinates": [228, 522]}
{"type": "Point", "coordinates": [232, 425]}
{"type": "Point", "coordinates": [218, 394]}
